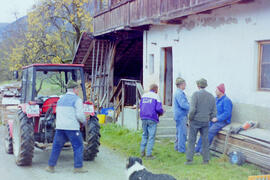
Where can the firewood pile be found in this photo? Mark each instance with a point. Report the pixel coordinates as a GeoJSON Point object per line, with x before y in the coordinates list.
{"type": "Point", "coordinates": [88, 89]}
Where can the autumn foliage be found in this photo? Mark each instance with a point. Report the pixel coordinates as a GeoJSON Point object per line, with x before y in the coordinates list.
{"type": "Point", "coordinates": [50, 34]}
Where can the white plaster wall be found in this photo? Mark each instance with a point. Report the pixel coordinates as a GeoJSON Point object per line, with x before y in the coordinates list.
{"type": "Point", "coordinates": [221, 47]}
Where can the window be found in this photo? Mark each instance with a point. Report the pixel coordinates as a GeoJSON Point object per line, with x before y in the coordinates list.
{"type": "Point", "coordinates": [51, 83]}
{"type": "Point", "coordinates": [23, 90]}
{"type": "Point", "coordinates": [151, 64]}
{"type": "Point", "coordinates": [29, 84]}
{"type": "Point", "coordinates": [264, 65]}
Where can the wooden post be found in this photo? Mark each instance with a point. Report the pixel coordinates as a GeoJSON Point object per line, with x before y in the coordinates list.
{"type": "Point", "coordinates": [95, 77]}
{"type": "Point", "coordinates": [100, 77]}
{"type": "Point", "coordinates": [114, 107]}
{"type": "Point", "coordinates": [110, 71]}
{"type": "Point", "coordinates": [106, 56]}
{"type": "Point", "coordinates": [123, 102]}
{"type": "Point", "coordinates": [105, 78]}
{"type": "Point", "coordinates": [137, 108]}
{"type": "Point", "coordinates": [92, 78]}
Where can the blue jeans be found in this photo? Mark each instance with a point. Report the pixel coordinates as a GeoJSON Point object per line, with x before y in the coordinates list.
{"type": "Point", "coordinates": [181, 135]}
{"type": "Point", "coordinates": [149, 132]}
{"type": "Point", "coordinates": [60, 138]}
{"type": "Point", "coordinates": [214, 128]}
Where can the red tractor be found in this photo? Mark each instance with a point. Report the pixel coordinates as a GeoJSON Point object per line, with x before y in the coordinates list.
{"type": "Point", "coordinates": [42, 86]}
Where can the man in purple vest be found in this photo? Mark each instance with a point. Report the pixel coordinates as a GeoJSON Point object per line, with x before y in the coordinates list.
{"type": "Point", "coordinates": [150, 110]}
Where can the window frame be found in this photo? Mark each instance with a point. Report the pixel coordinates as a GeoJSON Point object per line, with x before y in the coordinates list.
{"type": "Point", "coordinates": [260, 50]}
{"type": "Point", "coordinates": [151, 64]}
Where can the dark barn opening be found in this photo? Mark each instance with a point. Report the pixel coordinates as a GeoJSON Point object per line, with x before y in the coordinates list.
{"type": "Point", "coordinates": [128, 60]}
{"type": "Point", "coordinates": [128, 64]}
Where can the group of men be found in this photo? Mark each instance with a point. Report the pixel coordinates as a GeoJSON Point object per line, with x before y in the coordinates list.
{"type": "Point", "coordinates": [205, 114]}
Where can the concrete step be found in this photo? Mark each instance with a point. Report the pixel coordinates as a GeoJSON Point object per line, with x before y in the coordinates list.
{"type": "Point", "coordinates": [166, 130]}
{"type": "Point", "coordinates": [168, 114]}
{"type": "Point", "coordinates": [168, 108]}
{"type": "Point", "coordinates": [171, 137]}
{"type": "Point", "coordinates": [166, 122]}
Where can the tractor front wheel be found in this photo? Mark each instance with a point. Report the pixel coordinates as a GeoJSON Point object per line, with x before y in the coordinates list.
{"type": "Point", "coordinates": [23, 140]}
{"type": "Point", "coordinates": [8, 140]}
{"type": "Point", "coordinates": [92, 139]}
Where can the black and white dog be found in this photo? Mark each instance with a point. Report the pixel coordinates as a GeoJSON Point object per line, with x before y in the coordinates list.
{"type": "Point", "coordinates": [136, 171]}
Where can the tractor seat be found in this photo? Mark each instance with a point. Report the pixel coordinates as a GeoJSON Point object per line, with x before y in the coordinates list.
{"type": "Point", "coordinates": [40, 100]}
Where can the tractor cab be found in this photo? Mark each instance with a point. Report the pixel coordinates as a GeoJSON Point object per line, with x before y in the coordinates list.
{"type": "Point", "coordinates": [44, 84]}
{"type": "Point", "coordinates": [42, 81]}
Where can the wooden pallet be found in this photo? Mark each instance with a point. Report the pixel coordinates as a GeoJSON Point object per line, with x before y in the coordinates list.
{"type": "Point", "coordinates": [256, 151]}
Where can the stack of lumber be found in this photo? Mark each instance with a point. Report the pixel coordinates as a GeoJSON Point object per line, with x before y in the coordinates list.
{"type": "Point", "coordinates": [253, 143]}
{"type": "Point", "coordinates": [9, 100]}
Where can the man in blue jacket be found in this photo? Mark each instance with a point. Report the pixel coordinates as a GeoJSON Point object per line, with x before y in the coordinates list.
{"type": "Point", "coordinates": [150, 110]}
{"type": "Point", "coordinates": [224, 114]}
{"type": "Point", "coordinates": [181, 108]}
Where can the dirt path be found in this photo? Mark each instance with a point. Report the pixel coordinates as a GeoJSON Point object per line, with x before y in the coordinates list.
{"type": "Point", "coordinates": [107, 166]}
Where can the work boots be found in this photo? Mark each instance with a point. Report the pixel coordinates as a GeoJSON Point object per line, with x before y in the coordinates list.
{"type": "Point", "coordinates": [50, 169]}
{"type": "Point", "coordinates": [80, 170]}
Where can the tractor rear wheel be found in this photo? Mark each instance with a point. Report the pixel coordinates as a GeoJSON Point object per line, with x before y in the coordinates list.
{"type": "Point", "coordinates": [92, 139]}
{"type": "Point", "coordinates": [8, 140]}
{"type": "Point", "coordinates": [23, 140]}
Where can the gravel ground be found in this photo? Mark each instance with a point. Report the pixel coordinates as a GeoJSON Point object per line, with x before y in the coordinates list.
{"type": "Point", "coordinates": [109, 165]}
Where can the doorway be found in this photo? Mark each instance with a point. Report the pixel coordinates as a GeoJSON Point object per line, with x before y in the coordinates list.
{"type": "Point", "coordinates": [168, 76]}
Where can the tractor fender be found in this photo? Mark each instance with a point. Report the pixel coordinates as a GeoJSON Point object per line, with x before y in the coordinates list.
{"type": "Point", "coordinates": [51, 102]}
{"type": "Point", "coordinates": [10, 123]}
{"type": "Point", "coordinates": [22, 107]}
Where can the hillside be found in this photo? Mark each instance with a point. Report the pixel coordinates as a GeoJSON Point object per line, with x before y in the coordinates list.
{"type": "Point", "coordinates": [3, 27]}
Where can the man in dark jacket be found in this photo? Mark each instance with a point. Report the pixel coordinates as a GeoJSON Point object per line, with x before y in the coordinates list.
{"type": "Point", "coordinates": [150, 110]}
{"type": "Point", "coordinates": [224, 114]}
{"type": "Point", "coordinates": [203, 109]}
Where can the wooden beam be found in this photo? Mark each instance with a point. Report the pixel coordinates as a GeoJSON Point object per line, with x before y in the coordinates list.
{"type": "Point", "coordinates": [106, 54]}
{"type": "Point", "coordinates": [96, 67]}
{"type": "Point", "coordinates": [101, 60]}
{"type": "Point", "coordinates": [92, 72]}
{"type": "Point", "coordinates": [246, 1]}
{"type": "Point", "coordinates": [198, 8]}
{"type": "Point", "coordinates": [206, 12]}
{"type": "Point", "coordinates": [137, 108]}
{"type": "Point", "coordinates": [123, 102]}
{"type": "Point", "coordinates": [110, 70]}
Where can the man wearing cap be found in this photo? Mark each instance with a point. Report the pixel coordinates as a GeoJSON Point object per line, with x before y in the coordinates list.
{"type": "Point", "coordinates": [224, 114]}
{"type": "Point", "coordinates": [203, 109]}
{"type": "Point", "coordinates": [181, 108]}
{"type": "Point", "coordinates": [69, 114]}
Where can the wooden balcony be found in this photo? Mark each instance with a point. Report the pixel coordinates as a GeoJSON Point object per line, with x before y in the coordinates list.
{"type": "Point", "coordinates": [114, 15]}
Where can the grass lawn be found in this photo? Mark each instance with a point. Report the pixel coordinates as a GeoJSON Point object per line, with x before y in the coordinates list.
{"type": "Point", "coordinates": [7, 82]}
{"type": "Point", "coordinates": [167, 160]}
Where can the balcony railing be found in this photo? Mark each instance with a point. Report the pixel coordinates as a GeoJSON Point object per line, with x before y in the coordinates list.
{"type": "Point", "coordinates": [113, 15]}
